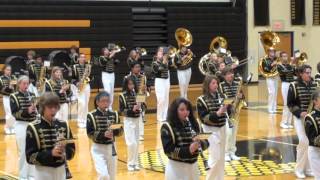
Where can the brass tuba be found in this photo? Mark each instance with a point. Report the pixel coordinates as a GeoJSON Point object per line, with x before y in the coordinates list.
{"type": "Point", "coordinates": [268, 39]}
{"type": "Point", "coordinates": [184, 38]}
{"type": "Point", "coordinates": [217, 43]}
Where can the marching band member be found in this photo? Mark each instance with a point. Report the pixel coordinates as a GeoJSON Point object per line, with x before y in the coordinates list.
{"type": "Point", "coordinates": [272, 82]}
{"type": "Point", "coordinates": [160, 66]}
{"type": "Point", "coordinates": [46, 142]}
{"type": "Point", "coordinates": [135, 56]}
{"type": "Point", "coordinates": [24, 111]}
{"type": "Point", "coordinates": [103, 150]}
{"type": "Point", "coordinates": [34, 74]}
{"type": "Point", "coordinates": [229, 88]}
{"type": "Point", "coordinates": [30, 57]}
{"type": "Point", "coordinates": [74, 55]}
{"type": "Point", "coordinates": [312, 125]}
{"type": "Point", "coordinates": [213, 63]}
{"type": "Point", "coordinates": [179, 143]}
{"type": "Point", "coordinates": [61, 87]}
{"type": "Point", "coordinates": [317, 76]}
{"type": "Point", "coordinates": [108, 62]}
{"type": "Point", "coordinates": [83, 90]}
{"type": "Point", "coordinates": [6, 88]}
{"type": "Point", "coordinates": [286, 73]}
{"type": "Point", "coordinates": [183, 70]}
{"type": "Point", "coordinates": [213, 115]}
{"type": "Point", "coordinates": [299, 96]}
{"type": "Point", "coordinates": [131, 111]}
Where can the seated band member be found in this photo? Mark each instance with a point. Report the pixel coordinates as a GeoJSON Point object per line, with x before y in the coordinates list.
{"type": "Point", "coordinates": [312, 125]}
{"type": "Point", "coordinates": [108, 62]}
{"type": "Point", "coordinates": [24, 111]}
{"type": "Point", "coordinates": [48, 145]}
{"type": "Point", "coordinates": [160, 67]}
{"type": "Point", "coordinates": [131, 110]}
{"type": "Point", "coordinates": [286, 73]}
{"type": "Point", "coordinates": [213, 63]}
{"type": "Point", "coordinates": [74, 55]}
{"type": "Point", "coordinates": [183, 70]}
{"type": "Point", "coordinates": [179, 144]}
{"type": "Point", "coordinates": [61, 88]}
{"type": "Point", "coordinates": [34, 75]}
{"type": "Point", "coordinates": [213, 115]}
{"type": "Point", "coordinates": [6, 88]}
{"type": "Point", "coordinates": [299, 96]}
{"type": "Point", "coordinates": [103, 150]}
{"type": "Point", "coordinates": [229, 87]}
{"type": "Point", "coordinates": [80, 72]}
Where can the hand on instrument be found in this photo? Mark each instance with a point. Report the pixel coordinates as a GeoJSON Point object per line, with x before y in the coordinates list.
{"type": "Point", "coordinates": [303, 115]}
{"type": "Point", "coordinates": [221, 110]}
{"type": "Point", "coordinates": [108, 134]}
{"type": "Point", "coordinates": [193, 148]}
{"type": "Point", "coordinates": [31, 109]}
{"type": "Point", "coordinates": [240, 95]}
{"type": "Point", "coordinates": [136, 107]}
{"type": "Point", "coordinates": [57, 151]}
{"type": "Point", "coordinates": [274, 63]}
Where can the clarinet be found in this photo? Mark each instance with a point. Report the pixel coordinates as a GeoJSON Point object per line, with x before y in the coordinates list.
{"type": "Point", "coordinates": [193, 133]}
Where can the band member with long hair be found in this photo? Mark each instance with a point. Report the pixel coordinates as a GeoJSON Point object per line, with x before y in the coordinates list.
{"type": "Point", "coordinates": [299, 96]}
{"type": "Point", "coordinates": [179, 142]}
{"type": "Point", "coordinates": [160, 67]}
{"type": "Point", "coordinates": [103, 150]}
{"type": "Point", "coordinates": [74, 54]}
{"type": "Point", "coordinates": [24, 110]}
{"type": "Point", "coordinates": [61, 88]}
{"type": "Point", "coordinates": [213, 115]}
{"type": "Point", "coordinates": [135, 57]}
{"type": "Point", "coordinates": [6, 88]}
{"type": "Point", "coordinates": [286, 73]}
{"type": "Point", "coordinates": [34, 75]}
{"type": "Point", "coordinates": [83, 90]}
{"type": "Point", "coordinates": [312, 125]}
{"type": "Point", "coordinates": [30, 56]}
{"type": "Point", "coordinates": [49, 156]}
{"type": "Point", "coordinates": [131, 111]}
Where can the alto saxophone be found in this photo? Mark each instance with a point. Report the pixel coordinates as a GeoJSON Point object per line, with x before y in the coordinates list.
{"type": "Point", "coordinates": [85, 77]}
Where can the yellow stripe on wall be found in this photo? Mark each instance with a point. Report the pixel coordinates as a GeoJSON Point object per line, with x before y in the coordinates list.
{"type": "Point", "coordinates": [38, 44]}
{"type": "Point", "coordinates": [44, 23]}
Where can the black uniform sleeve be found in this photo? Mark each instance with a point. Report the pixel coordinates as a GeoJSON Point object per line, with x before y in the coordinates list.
{"type": "Point", "coordinates": [92, 132]}
{"type": "Point", "coordinates": [117, 132]}
{"type": "Point", "coordinates": [17, 112]}
{"type": "Point", "coordinates": [292, 101]}
{"type": "Point", "coordinates": [311, 132]}
{"type": "Point", "coordinates": [203, 113]}
{"type": "Point", "coordinates": [123, 107]}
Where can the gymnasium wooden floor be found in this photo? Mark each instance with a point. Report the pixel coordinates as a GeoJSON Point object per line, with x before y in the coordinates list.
{"type": "Point", "coordinates": [259, 139]}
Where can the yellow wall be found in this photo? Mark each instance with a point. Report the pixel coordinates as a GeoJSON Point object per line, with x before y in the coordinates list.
{"type": "Point", "coordinates": [280, 10]}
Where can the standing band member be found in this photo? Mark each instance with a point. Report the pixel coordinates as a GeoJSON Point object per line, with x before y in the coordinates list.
{"type": "Point", "coordinates": [317, 76]}
{"type": "Point", "coordinates": [184, 70]}
{"type": "Point", "coordinates": [7, 87]}
{"type": "Point", "coordinates": [131, 111]}
{"type": "Point", "coordinates": [74, 55]}
{"type": "Point", "coordinates": [312, 127]}
{"type": "Point", "coordinates": [160, 67]}
{"type": "Point", "coordinates": [213, 115]}
{"type": "Point", "coordinates": [135, 57]}
{"type": "Point", "coordinates": [179, 144]}
{"type": "Point", "coordinates": [108, 63]}
{"type": "Point", "coordinates": [229, 87]}
{"type": "Point", "coordinates": [61, 87]}
{"type": "Point", "coordinates": [34, 75]}
{"type": "Point", "coordinates": [103, 150]}
{"type": "Point", "coordinates": [81, 73]}
{"type": "Point", "coordinates": [48, 145]}
{"type": "Point", "coordinates": [286, 72]}
{"type": "Point", "coordinates": [299, 96]}
{"type": "Point", "coordinates": [24, 111]}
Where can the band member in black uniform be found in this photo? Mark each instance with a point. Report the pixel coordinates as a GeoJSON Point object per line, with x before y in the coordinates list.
{"type": "Point", "coordinates": [286, 73]}
{"type": "Point", "coordinates": [30, 57]}
{"type": "Point", "coordinates": [108, 62]}
{"type": "Point", "coordinates": [299, 96]}
{"type": "Point", "coordinates": [103, 150]}
{"type": "Point", "coordinates": [131, 110]}
{"type": "Point", "coordinates": [213, 63]}
{"type": "Point", "coordinates": [24, 110]}
{"type": "Point", "coordinates": [134, 57]}
{"type": "Point", "coordinates": [61, 88]}
{"type": "Point", "coordinates": [7, 86]}
{"type": "Point", "coordinates": [312, 126]}
{"type": "Point", "coordinates": [49, 141]}
{"type": "Point", "coordinates": [317, 76]}
{"type": "Point", "coordinates": [229, 87]}
{"type": "Point", "coordinates": [213, 115]}
{"type": "Point", "coordinates": [142, 87]}
{"type": "Point", "coordinates": [179, 142]}
{"type": "Point", "coordinates": [160, 67]}
{"type": "Point", "coordinates": [81, 74]}
{"type": "Point", "coordinates": [34, 75]}
{"type": "Point", "coordinates": [74, 54]}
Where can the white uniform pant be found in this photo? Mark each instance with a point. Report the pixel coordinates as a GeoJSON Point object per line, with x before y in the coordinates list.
{"type": "Point", "coordinates": [131, 134]}
{"type": "Point", "coordinates": [63, 113]}
{"type": "Point", "coordinates": [302, 148]}
{"type": "Point", "coordinates": [231, 138]}
{"type": "Point", "coordinates": [141, 125]}
{"type": "Point", "coordinates": [33, 89]}
{"type": "Point", "coordinates": [10, 120]}
{"type": "Point", "coordinates": [216, 152]}
{"type": "Point", "coordinates": [50, 173]}
{"type": "Point", "coordinates": [286, 114]}
{"type": "Point", "coordinates": [184, 80]}
{"type": "Point", "coordinates": [162, 89]}
{"type": "Point", "coordinates": [105, 163]}
{"type": "Point", "coordinates": [25, 170]}
{"type": "Point", "coordinates": [272, 84]}
{"type": "Point", "coordinates": [74, 91]}
{"type": "Point", "coordinates": [108, 85]}
{"type": "Point", "coordinates": [83, 102]}
{"type": "Point", "coordinates": [314, 159]}
{"type": "Point", "coordinates": [176, 170]}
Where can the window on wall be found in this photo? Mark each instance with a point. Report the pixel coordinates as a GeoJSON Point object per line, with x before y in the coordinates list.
{"type": "Point", "coordinates": [316, 12]}
{"type": "Point", "coordinates": [298, 16]}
